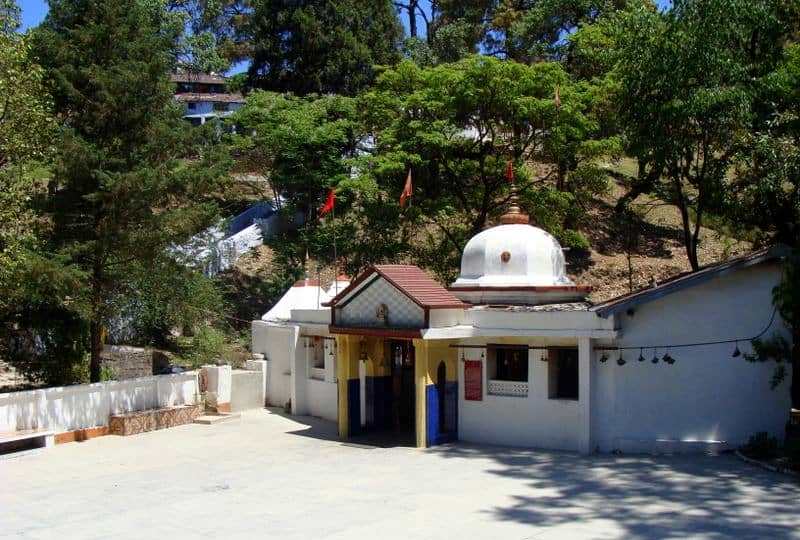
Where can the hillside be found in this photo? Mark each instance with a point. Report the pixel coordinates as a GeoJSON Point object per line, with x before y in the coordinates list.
{"type": "Point", "coordinates": [657, 254]}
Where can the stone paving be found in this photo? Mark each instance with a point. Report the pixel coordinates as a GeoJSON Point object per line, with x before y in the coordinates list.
{"type": "Point", "coordinates": [269, 476]}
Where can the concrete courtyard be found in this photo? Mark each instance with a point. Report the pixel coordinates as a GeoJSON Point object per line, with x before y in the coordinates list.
{"type": "Point", "coordinates": [269, 476]}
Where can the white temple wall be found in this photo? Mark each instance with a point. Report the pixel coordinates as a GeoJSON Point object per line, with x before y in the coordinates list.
{"type": "Point", "coordinates": [322, 399]}
{"type": "Point", "coordinates": [278, 345]}
{"type": "Point", "coordinates": [532, 421]}
{"type": "Point", "coordinates": [707, 397]}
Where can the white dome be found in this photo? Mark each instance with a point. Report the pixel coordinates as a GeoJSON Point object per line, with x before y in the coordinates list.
{"type": "Point", "coordinates": [514, 255]}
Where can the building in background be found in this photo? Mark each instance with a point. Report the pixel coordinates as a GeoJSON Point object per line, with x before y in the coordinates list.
{"type": "Point", "coordinates": [205, 96]}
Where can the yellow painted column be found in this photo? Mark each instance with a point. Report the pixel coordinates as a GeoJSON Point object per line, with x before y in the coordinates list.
{"type": "Point", "coordinates": [347, 352]}
{"type": "Point", "coordinates": [421, 354]}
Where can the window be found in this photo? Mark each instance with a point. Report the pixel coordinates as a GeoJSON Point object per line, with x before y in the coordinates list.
{"type": "Point", "coordinates": [220, 106]}
{"type": "Point", "coordinates": [507, 370]}
{"type": "Point", "coordinates": [191, 106]}
{"type": "Point", "coordinates": [562, 367]}
{"type": "Point", "coordinates": [317, 352]}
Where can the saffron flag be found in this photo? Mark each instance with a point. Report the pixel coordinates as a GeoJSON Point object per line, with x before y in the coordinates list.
{"type": "Point", "coordinates": [407, 189]}
{"type": "Point", "coordinates": [329, 204]}
{"type": "Point", "coordinates": [510, 171]}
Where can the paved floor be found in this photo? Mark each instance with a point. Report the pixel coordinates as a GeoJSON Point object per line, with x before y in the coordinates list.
{"type": "Point", "coordinates": [267, 476]}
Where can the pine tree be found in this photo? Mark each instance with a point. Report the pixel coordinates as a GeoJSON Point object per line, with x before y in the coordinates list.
{"type": "Point", "coordinates": [130, 178]}
{"type": "Point", "coordinates": [320, 46]}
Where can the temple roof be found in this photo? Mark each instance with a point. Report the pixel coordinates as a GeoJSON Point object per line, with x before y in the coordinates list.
{"type": "Point", "coordinates": [408, 279]}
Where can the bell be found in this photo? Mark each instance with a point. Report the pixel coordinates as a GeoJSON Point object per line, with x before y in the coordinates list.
{"type": "Point", "coordinates": [603, 358]}
{"type": "Point", "coordinates": [641, 356]}
{"type": "Point", "coordinates": [668, 359]}
{"type": "Point", "coordinates": [621, 361]}
{"type": "Point", "coordinates": [655, 358]}
{"type": "Point", "coordinates": [736, 351]}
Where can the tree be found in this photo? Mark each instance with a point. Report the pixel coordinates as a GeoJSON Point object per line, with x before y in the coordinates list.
{"type": "Point", "coordinates": [320, 46]}
{"type": "Point", "coordinates": [765, 199]}
{"type": "Point", "coordinates": [686, 89]}
{"type": "Point", "coordinates": [457, 125]}
{"type": "Point", "coordinates": [26, 130]}
{"type": "Point", "coordinates": [130, 178]}
{"type": "Point", "coordinates": [300, 143]}
{"type": "Point", "coordinates": [524, 30]}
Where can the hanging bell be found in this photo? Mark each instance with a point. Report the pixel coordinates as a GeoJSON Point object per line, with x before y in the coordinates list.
{"type": "Point", "coordinates": [669, 359]}
{"type": "Point", "coordinates": [621, 361]}
{"type": "Point", "coordinates": [603, 358]}
{"type": "Point", "coordinates": [736, 351]}
{"type": "Point", "coordinates": [655, 357]}
{"type": "Point", "coordinates": [641, 356]}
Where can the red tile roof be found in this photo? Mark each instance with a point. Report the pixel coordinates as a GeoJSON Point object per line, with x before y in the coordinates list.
{"type": "Point", "coordinates": [411, 281]}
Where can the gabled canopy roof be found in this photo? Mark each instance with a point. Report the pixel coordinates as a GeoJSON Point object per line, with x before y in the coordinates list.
{"type": "Point", "coordinates": [411, 280]}
{"type": "Point", "coordinates": [688, 279]}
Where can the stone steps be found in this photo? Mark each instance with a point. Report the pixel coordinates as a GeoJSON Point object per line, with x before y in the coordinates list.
{"type": "Point", "coordinates": [211, 419]}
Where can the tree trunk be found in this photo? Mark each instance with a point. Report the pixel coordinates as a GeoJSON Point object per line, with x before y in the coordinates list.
{"type": "Point", "coordinates": [688, 237]}
{"type": "Point", "coordinates": [795, 367]}
{"type": "Point", "coordinates": [412, 18]}
{"type": "Point", "coordinates": [96, 336]}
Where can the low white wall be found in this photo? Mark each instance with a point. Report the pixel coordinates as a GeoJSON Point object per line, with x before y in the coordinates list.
{"type": "Point", "coordinates": [533, 421]}
{"type": "Point", "coordinates": [707, 399]}
{"type": "Point", "coordinates": [83, 406]}
{"type": "Point", "coordinates": [247, 390]}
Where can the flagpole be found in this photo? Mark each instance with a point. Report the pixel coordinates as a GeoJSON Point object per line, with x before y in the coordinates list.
{"type": "Point", "coordinates": [335, 257]}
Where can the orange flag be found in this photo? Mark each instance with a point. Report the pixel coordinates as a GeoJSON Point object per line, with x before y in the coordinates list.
{"type": "Point", "coordinates": [510, 171]}
{"type": "Point", "coordinates": [407, 190]}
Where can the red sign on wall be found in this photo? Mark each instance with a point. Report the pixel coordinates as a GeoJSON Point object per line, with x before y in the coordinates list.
{"type": "Point", "coordinates": [473, 380]}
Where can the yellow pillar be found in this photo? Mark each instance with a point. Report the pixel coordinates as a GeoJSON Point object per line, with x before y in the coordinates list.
{"type": "Point", "coordinates": [421, 354]}
{"type": "Point", "coordinates": [347, 352]}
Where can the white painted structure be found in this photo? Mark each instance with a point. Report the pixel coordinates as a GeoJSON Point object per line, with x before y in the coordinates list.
{"type": "Point", "coordinates": [83, 406]}
{"type": "Point", "coordinates": [289, 336]}
{"type": "Point", "coordinates": [575, 393]}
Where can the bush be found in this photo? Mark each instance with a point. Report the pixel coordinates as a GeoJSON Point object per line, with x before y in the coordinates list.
{"type": "Point", "coordinates": [761, 446]}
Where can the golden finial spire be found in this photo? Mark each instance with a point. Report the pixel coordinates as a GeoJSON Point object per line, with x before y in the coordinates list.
{"type": "Point", "coordinates": [514, 215]}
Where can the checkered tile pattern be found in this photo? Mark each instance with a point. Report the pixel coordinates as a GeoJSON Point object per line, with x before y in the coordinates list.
{"type": "Point", "coordinates": [362, 310]}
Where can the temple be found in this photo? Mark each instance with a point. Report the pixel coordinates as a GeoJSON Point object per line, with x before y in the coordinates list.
{"type": "Point", "coordinates": [512, 353]}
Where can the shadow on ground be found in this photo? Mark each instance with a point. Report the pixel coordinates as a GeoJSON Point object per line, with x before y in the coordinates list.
{"type": "Point", "coordinates": [645, 496]}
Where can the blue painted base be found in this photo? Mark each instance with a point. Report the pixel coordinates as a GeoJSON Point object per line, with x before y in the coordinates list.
{"type": "Point", "coordinates": [378, 394]}
{"type": "Point", "coordinates": [436, 433]}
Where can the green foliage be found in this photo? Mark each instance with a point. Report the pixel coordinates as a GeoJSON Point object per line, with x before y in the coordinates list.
{"type": "Point", "coordinates": [206, 346]}
{"type": "Point", "coordinates": [320, 46]}
{"type": "Point", "coordinates": [164, 296]}
{"type": "Point", "coordinates": [456, 126]}
{"type": "Point", "coordinates": [9, 16]}
{"type": "Point", "coordinates": [130, 178]}
{"type": "Point", "coordinates": [26, 132]}
{"type": "Point", "coordinates": [300, 142]}
{"type": "Point", "coordinates": [524, 30]}
{"type": "Point", "coordinates": [687, 79]}
{"type": "Point", "coordinates": [761, 446]}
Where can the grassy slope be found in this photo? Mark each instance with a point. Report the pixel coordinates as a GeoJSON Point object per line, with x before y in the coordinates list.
{"type": "Point", "coordinates": [657, 253]}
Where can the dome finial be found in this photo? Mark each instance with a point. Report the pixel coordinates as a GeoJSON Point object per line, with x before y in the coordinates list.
{"type": "Point", "coordinates": [514, 214]}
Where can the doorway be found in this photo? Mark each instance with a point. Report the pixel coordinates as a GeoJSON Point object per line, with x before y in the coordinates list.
{"type": "Point", "coordinates": [401, 354]}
